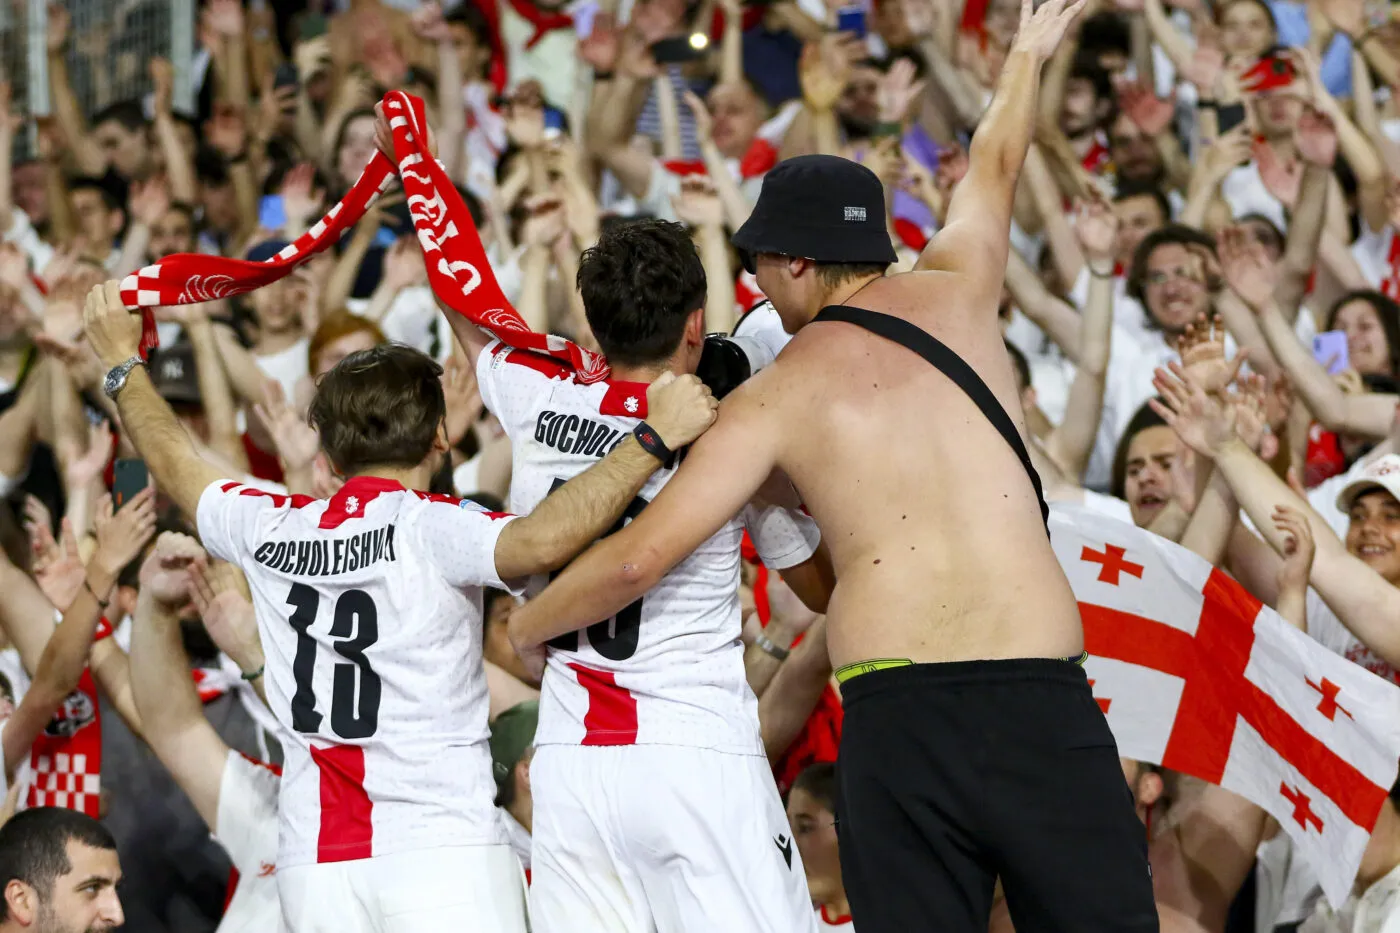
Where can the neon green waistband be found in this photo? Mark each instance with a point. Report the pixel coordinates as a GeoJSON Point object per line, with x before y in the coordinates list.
{"type": "Point", "coordinates": [848, 671]}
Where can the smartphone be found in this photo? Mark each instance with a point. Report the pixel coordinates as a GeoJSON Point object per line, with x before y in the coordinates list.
{"type": "Point", "coordinates": [680, 50]}
{"type": "Point", "coordinates": [272, 215]}
{"type": "Point", "coordinates": [313, 26]}
{"type": "Point", "coordinates": [553, 119]}
{"type": "Point", "coordinates": [851, 19]}
{"type": "Point", "coordinates": [129, 477]}
{"type": "Point", "coordinates": [1229, 117]}
{"type": "Point", "coordinates": [1330, 349]}
{"type": "Point", "coordinates": [286, 76]}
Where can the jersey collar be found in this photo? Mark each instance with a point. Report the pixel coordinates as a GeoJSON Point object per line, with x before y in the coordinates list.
{"type": "Point", "coordinates": [350, 500]}
{"type": "Point", "coordinates": [628, 399]}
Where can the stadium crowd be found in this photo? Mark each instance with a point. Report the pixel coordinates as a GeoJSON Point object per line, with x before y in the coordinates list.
{"type": "Point", "coordinates": [1213, 186]}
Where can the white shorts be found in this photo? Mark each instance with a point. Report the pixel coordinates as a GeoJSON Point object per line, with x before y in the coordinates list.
{"type": "Point", "coordinates": [464, 889]}
{"type": "Point", "coordinates": [643, 838]}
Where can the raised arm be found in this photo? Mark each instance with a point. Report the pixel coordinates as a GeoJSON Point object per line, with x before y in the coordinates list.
{"type": "Point", "coordinates": [1362, 599]}
{"type": "Point", "coordinates": [719, 475]}
{"type": "Point", "coordinates": [114, 334]}
{"type": "Point", "coordinates": [975, 240]}
{"type": "Point", "coordinates": [581, 511]}
{"type": "Point", "coordinates": [171, 714]}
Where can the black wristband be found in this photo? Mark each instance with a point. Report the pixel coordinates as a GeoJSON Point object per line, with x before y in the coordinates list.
{"type": "Point", "coordinates": [651, 442]}
{"type": "Point", "coordinates": [1206, 103]}
{"type": "Point", "coordinates": [602, 75]}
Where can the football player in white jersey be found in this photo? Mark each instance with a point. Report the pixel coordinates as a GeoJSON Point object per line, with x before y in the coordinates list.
{"type": "Point", "coordinates": [654, 803]}
{"type": "Point", "coordinates": [369, 607]}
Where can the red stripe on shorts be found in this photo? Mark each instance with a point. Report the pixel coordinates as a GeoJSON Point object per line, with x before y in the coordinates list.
{"type": "Point", "coordinates": [346, 830]}
{"type": "Point", "coordinates": [612, 710]}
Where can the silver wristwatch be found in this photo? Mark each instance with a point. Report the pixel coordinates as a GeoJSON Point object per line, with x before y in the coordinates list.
{"type": "Point", "coordinates": [116, 376]}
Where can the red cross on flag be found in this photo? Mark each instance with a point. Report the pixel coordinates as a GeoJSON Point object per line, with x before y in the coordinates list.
{"type": "Point", "coordinates": [1196, 675]}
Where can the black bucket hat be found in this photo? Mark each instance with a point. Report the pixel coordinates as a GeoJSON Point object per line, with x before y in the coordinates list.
{"type": "Point", "coordinates": [818, 207]}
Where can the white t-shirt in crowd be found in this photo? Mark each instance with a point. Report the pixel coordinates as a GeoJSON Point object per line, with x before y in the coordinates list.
{"type": "Point", "coordinates": [247, 829]}
{"type": "Point", "coordinates": [1376, 910]}
{"type": "Point", "coordinates": [1286, 885]}
{"type": "Point", "coordinates": [288, 366]}
{"type": "Point", "coordinates": [1244, 191]}
{"type": "Point", "coordinates": [1327, 630]}
{"type": "Point", "coordinates": [23, 235]}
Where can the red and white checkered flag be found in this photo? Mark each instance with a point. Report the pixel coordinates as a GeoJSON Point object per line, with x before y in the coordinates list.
{"type": "Point", "coordinates": [458, 272]}
{"type": "Point", "coordinates": [1196, 675]}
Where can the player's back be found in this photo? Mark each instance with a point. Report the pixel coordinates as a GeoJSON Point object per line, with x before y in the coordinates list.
{"type": "Point", "coordinates": [934, 528]}
{"type": "Point", "coordinates": [369, 607]}
{"type": "Point", "coordinates": [669, 668]}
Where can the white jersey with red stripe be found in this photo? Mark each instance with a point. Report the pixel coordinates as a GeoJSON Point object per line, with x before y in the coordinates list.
{"type": "Point", "coordinates": [669, 669]}
{"type": "Point", "coordinates": [369, 607]}
{"type": "Point", "coordinates": [826, 920]}
{"type": "Point", "coordinates": [247, 829]}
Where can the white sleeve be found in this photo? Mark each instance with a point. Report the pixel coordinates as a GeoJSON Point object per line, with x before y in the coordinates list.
{"type": "Point", "coordinates": [230, 516]}
{"type": "Point", "coordinates": [486, 376]}
{"type": "Point", "coordinates": [247, 819]}
{"type": "Point", "coordinates": [783, 537]}
{"type": "Point", "coordinates": [512, 382]}
{"type": "Point", "coordinates": [460, 540]}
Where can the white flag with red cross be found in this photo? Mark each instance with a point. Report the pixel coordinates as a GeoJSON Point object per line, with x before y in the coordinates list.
{"type": "Point", "coordinates": [1196, 675]}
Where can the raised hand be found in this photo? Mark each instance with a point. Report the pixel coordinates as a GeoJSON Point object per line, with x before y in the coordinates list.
{"type": "Point", "coordinates": [1316, 137]}
{"type": "Point", "coordinates": [1348, 16]}
{"type": "Point", "coordinates": [166, 571]}
{"type": "Point", "coordinates": [1251, 275]}
{"type": "Point", "coordinates": [296, 441]}
{"type": "Point", "coordinates": [825, 68]}
{"type": "Point", "coordinates": [525, 118]}
{"type": "Point", "coordinates": [1202, 349]}
{"type": "Point", "coordinates": [1206, 65]}
{"type": "Point", "coordinates": [148, 200]}
{"type": "Point", "coordinates": [122, 534]}
{"type": "Point", "coordinates": [298, 199]}
{"type": "Point", "coordinates": [697, 204]}
{"type": "Point", "coordinates": [59, 21]}
{"type": "Point", "coordinates": [634, 57]}
{"type": "Point", "coordinates": [463, 397]}
{"type": "Point", "coordinates": [58, 568]}
{"type": "Point", "coordinates": [163, 84]}
{"type": "Point", "coordinates": [226, 613]}
{"type": "Point", "coordinates": [81, 468]}
{"type": "Point", "coordinates": [1152, 114]}
{"type": "Point", "coordinates": [546, 222]}
{"type": "Point", "coordinates": [1251, 416]}
{"type": "Point", "coordinates": [403, 264]}
{"type": "Point", "coordinates": [1096, 229]}
{"type": "Point", "coordinates": [1228, 152]}
{"type": "Point", "coordinates": [113, 332]}
{"type": "Point", "coordinates": [600, 49]}
{"type": "Point", "coordinates": [898, 91]}
{"type": "Point", "coordinates": [700, 115]}
{"type": "Point", "coordinates": [1042, 29]}
{"type": "Point", "coordinates": [227, 131]}
{"type": "Point", "coordinates": [430, 24]}
{"type": "Point", "coordinates": [1299, 548]}
{"type": "Point", "coordinates": [382, 57]}
{"type": "Point", "coordinates": [1202, 422]}
{"type": "Point", "coordinates": [224, 17]}
{"type": "Point", "coordinates": [680, 409]}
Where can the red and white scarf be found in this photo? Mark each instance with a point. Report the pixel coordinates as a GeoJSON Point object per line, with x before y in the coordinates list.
{"type": "Point", "coordinates": [456, 261]}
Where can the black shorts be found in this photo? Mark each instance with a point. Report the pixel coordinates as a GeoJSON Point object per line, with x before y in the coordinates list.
{"type": "Point", "coordinates": [954, 775]}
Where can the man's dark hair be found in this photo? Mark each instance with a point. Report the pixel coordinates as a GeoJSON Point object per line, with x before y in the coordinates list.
{"type": "Point", "coordinates": [1170, 233]}
{"type": "Point", "coordinates": [1386, 309]}
{"type": "Point", "coordinates": [470, 15]}
{"type": "Point", "coordinates": [211, 167]}
{"type": "Point", "coordinates": [1088, 69]}
{"type": "Point", "coordinates": [818, 780]}
{"type": "Point", "coordinates": [835, 274]}
{"type": "Point", "coordinates": [379, 407]}
{"type": "Point", "coordinates": [1144, 418]}
{"type": "Point", "coordinates": [1138, 189]}
{"type": "Point", "coordinates": [1272, 237]}
{"type": "Point", "coordinates": [128, 113]}
{"type": "Point", "coordinates": [1018, 360]}
{"type": "Point", "coordinates": [639, 284]}
{"type": "Point", "coordinates": [34, 847]}
{"type": "Point", "coordinates": [89, 183]}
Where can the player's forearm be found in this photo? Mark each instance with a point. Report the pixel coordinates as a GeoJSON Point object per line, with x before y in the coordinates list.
{"type": "Point", "coordinates": [168, 451]}
{"type": "Point", "coordinates": [576, 514]}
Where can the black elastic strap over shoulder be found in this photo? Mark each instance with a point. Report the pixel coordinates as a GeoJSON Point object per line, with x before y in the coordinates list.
{"type": "Point", "coordinates": [914, 338]}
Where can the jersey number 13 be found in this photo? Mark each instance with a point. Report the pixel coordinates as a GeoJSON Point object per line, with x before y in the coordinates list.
{"type": "Point", "coordinates": [354, 714]}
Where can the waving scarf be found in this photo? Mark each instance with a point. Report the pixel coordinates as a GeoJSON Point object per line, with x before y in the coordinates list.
{"type": "Point", "coordinates": [458, 272]}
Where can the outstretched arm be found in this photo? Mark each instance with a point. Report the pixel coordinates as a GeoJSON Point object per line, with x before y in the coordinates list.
{"type": "Point", "coordinates": [581, 510]}
{"type": "Point", "coordinates": [114, 333]}
{"type": "Point", "coordinates": [720, 474]}
{"type": "Point", "coordinates": [974, 240]}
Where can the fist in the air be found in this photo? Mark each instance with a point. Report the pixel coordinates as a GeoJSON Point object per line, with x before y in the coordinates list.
{"type": "Point", "coordinates": [113, 332]}
{"type": "Point", "coordinates": [680, 408]}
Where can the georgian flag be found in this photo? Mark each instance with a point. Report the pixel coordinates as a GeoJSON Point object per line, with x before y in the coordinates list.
{"type": "Point", "coordinates": [1196, 675]}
